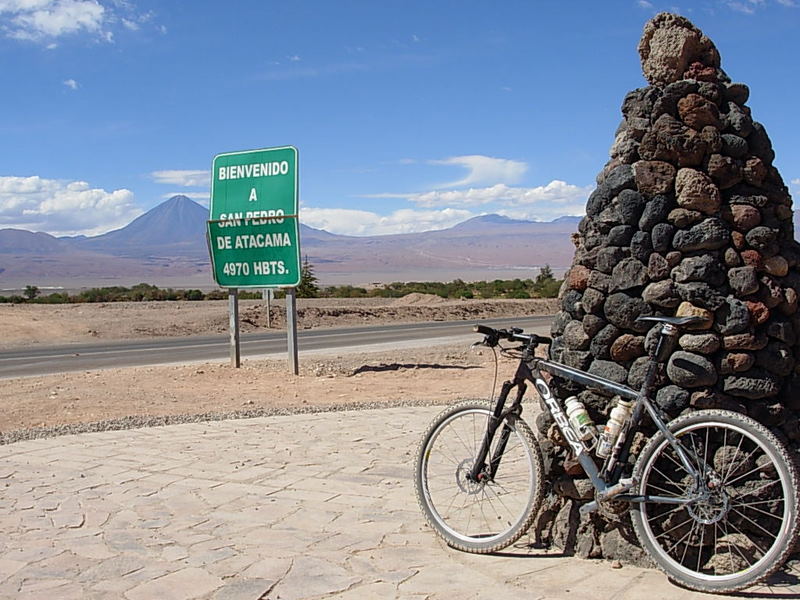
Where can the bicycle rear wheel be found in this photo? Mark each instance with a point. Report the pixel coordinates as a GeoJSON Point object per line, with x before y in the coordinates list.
{"type": "Point", "coordinates": [485, 516]}
{"type": "Point", "coordinates": [742, 522]}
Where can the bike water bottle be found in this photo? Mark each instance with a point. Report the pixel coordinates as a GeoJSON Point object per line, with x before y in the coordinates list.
{"type": "Point", "coordinates": [619, 414]}
{"type": "Point", "coordinates": [579, 418]}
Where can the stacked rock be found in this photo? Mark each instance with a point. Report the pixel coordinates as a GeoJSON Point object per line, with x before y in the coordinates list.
{"type": "Point", "coordinates": [689, 217]}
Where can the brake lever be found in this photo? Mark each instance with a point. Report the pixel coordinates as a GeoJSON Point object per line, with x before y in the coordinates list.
{"type": "Point", "coordinates": [488, 341]}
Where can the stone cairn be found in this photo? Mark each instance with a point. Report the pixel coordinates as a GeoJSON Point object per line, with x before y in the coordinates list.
{"type": "Point", "coordinates": [689, 217]}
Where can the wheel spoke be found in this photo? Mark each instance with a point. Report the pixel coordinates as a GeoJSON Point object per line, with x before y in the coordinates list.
{"type": "Point", "coordinates": [664, 491]}
{"type": "Point", "coordinates": [744, 516]}
{"type": "Point", "coordinates": [749, 539]}
{"type": "Point", "coordinates": [668, 479]}
{"type": "Point", "coordinates": [756, 503]}
{"type": "Point", "coordinates": [702, 537]}
{"type": "Point", "coordinates": [451, 458]}
{"type": "Point", "coordinates": [738, 551]}
{"type": "Point", "coordinates": [677, 462]}
{"type": "Point", "coordinates": [763, 487]}
{"type": "Point", "coordinates": [470, 451]}
{"type": "Point", "coordinates": [751, 471]}
{"type": "Point", "coordinates": [669, 551]}
{"type": "Point", "coordinates": [763, 512]}
{"type": "Point", "coordinates": [663, 533]}
{"type": "Point", "coordinates": [686, 545]}
{"type": "Point", "coordinates": [665, 513]}
{"type": "Point", "coordinates": [733, 460]}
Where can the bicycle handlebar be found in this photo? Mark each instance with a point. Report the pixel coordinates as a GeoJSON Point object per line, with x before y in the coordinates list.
{"type": "Point", "coordinates": [493, 336]}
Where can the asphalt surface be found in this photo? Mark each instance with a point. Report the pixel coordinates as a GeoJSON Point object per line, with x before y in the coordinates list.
{"type": "Point", "coordinates": [81, 357]}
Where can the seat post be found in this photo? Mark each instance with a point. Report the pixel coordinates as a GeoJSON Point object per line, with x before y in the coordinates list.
{"type": "Point", "coordinates": [665, 343]}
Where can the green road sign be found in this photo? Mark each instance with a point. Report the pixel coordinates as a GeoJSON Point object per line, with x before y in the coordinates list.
{"type": "Point", "coordinates": [253, 230]}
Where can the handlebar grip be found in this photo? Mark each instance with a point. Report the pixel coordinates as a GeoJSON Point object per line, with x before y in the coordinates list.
{"type": "Point", "coordinates": [484, 330]}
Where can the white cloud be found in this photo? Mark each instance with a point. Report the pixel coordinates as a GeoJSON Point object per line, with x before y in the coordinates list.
{"type": "Point", "coordinates": [46, 20]}
{"type": "Point", "coordinates": [749, 7]}
{"type": "Point", "coordinates": [71, 84]}
{"type": "Point", "coordinates": [555, 196]}
{"type": "Point", "coordinates": [63, 207]}
{"type": "Point", "coordinates": [188, 178]}
{"type": "Point", "coordinates": [645, 4]}
{"type": "Point", "coordinates": [362, 222]}
{"type": "Point", "coordinates": [39, 19]}
{"type": "Point", "coordinates": [484, 170]}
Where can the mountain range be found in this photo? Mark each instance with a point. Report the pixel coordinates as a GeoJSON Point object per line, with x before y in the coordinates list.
{"type": "Point", "coordinates": [167, 246]}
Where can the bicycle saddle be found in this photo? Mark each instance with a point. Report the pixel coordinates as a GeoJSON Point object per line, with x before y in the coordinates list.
{"type": "Point", "coordinates": [677, 321]}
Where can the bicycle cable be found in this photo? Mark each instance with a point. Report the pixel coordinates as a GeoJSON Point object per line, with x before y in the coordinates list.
{"type": "Point", "coordinates": [507, 353]}
{"type": "Point", "coordinates": [496, 370]}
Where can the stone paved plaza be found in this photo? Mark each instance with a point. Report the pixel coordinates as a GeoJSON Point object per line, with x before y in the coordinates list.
{"type": "Point", "coordinates": [305, 506]}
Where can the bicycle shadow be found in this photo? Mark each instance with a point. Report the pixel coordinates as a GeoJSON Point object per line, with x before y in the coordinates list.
{"type": "Point", "coordinates": [783, 584]}
{"type": "Point", "coordinates": [530, 551]}
{"type": "Point", "coordinates": [787, 577]}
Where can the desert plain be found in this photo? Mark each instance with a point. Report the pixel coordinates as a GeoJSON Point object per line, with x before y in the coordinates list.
{"type": "Point", "coordinates": [432, 373]}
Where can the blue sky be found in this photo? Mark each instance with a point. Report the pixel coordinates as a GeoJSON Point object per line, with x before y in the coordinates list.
{"type": "Point", "coordinates": [408, 116]}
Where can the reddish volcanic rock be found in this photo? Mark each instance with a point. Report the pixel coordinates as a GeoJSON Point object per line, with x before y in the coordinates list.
{"type": "Point", "coordinates": [697, 112]}
{"type": "Point", "coordinates": [758, 311]}
{"type": "Point", "coordinates": [578, 278]}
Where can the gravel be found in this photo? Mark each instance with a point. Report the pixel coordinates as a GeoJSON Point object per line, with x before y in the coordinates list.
{"type": "Point", "coordinates": [138, 422]}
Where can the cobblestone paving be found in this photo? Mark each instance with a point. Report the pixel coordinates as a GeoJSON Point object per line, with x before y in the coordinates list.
{"type": "Point", "coordinates": [305, 506]}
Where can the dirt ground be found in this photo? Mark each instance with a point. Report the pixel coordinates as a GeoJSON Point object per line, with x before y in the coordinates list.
{"type": "Point", "coordinates": [23, 325]}
{"type": "Point", "coordinates": [438, 374]}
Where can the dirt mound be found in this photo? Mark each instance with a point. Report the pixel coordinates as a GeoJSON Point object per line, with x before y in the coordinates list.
{"type": "Point", "coordinates": [417, 299]}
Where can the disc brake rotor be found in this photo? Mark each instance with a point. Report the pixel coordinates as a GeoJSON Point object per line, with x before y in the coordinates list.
{"type": "Point", "coordinates": [464, 483]}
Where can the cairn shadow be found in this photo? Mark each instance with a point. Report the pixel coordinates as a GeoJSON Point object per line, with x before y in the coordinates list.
{"type": "Point", "coordinates": [397, 366]}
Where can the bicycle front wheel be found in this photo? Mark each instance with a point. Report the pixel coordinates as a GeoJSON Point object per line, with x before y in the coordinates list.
{"type": "Point", "coordinates": [738, 520]}
{"type": "Point", "coordinates": [478, 516]}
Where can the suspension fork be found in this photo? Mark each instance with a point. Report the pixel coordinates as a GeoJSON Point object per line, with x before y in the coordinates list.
{"type": "Point", "coordinates": [515, 409]}
{"type": "Point", "coordinates": [478, 471]}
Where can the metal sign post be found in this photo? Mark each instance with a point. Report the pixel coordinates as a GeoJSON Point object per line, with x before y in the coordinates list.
{"type": "Point", "coordinates": [291, 328]}
{"type": "Point", "coordinates": [266, 296]}
{"type": "Point", "coordinates": [233, 314]}
{"type": "Point", "coordinates": [253, 232]}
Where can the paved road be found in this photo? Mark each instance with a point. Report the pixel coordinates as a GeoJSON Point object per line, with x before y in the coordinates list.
{"type": "Point", "coordinates": [57, 359]}
{"type": "Point", "coordinates": [292, 507]}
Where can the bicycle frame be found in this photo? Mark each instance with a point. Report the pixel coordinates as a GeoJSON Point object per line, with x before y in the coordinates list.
{"type": "Point", "coordinates": [608, 481]}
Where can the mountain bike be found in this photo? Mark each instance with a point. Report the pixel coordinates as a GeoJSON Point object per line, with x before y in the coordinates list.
{"type": "Point", "coordinates": [712, 495]}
